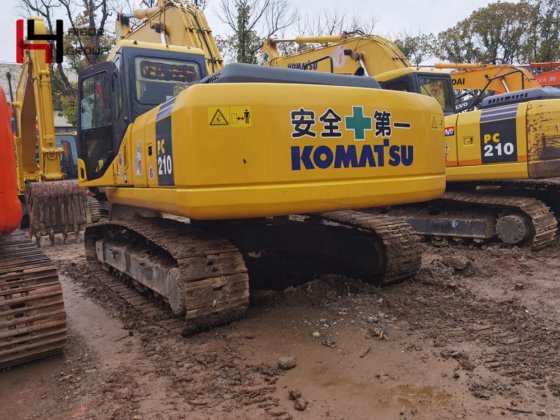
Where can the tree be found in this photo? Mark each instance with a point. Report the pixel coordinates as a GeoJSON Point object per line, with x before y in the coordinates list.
{"type": "Point", "coordinates": [544, 39]}
{"type": "Point", "coordinates": [498, 31]}
{"type": "Point", "coordinates": [416, 48]}
{"type": "Point", "coordinates": [335, 22]}
{"type": "Point", "coordinates": [252, 21]}
{"type": "Point", "coordinates": [456, 44]}
{"type": "Point", "coordinates": [87, 41]}
{"type": "Point", "coordinates": [47, 10]}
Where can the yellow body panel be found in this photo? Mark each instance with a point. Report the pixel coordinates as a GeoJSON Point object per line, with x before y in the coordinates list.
{"type": "Point", "coordinates": [173, 159]}
{"type": "Point", "coordinates": [517, 141]}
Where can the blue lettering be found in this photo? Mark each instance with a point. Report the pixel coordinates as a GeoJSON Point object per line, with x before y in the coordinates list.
{"type": "Point", "coordinates": [346, 157]}
{"type": "Point", "coordinates": [367, 159]}
{"type": "Point", "coordinates": [323, 157]}
{"type": "Point", "coordinates": [379, 149]}
{"type": "Point", "coordinates": [304, 156]}
{"type": "Point", "coordinates": [407, 155]}
{"type": "Point", "coordinates": [395, 158]}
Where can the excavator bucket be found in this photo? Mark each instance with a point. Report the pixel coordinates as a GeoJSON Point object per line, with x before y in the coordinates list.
{"type": "Point", "coordinates": [55, 207]}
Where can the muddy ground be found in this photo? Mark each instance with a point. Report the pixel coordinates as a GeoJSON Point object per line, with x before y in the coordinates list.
{"type": "Point", "coordinates": [474, 335]}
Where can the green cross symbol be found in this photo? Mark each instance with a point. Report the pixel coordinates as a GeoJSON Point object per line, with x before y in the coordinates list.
{"type": "Point", "coordinates": [358, 123]}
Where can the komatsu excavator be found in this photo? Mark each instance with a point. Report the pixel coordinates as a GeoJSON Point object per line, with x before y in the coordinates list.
{"type": "Point", "coordinates": [210, 170]}
{"type": "Point", "coordinates": [32, 316]}
{"type": "Point", "coordinates": [502, 159]}
{"type": "Point", "coordinates": [362, 55]}
{"type": "Point", "coordinates": [54, 203]}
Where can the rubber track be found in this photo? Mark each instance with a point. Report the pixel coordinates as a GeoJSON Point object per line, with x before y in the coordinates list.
{"type": "Point", "coordinates": [403, 251]}
{"type": "Point", "coordinates": [32, 316]}
{"type": "Point", "coordinates": [544, 223]}
{"type": "Point", "coordinates": [213, 273]}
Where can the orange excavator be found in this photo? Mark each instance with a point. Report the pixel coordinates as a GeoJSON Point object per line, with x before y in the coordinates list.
{"type": "Point", "coordinates": [548, 73]}
{"type": "Point", "coordinates": [32, 316]}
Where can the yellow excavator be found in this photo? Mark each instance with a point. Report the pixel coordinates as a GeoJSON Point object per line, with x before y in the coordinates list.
{"type": "Point", "coordinates": [54, 202]}
{"type": "Point", "coordinates": [362, 55]}
{"type": "Point", "coordinates": [211, 171]}
{"type": "Point", "coordinates": [473, 82]}
{"type": "Point", "coordinates": [502, 159]}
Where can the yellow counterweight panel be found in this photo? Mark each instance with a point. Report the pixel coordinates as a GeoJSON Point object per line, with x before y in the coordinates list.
{"type": "Point", "coordinates": [491, 144]}
{"type": "Point", "coordinates": [247, 150]}
{"type": "Point", "coordinates": [543, 138]}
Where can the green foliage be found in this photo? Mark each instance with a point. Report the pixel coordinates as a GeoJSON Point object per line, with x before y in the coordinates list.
{"type": "Point", "coordinates": [69, 107]}
{"type": "Point", "coordinates": [416, 48]}
{"type": "Point", "coordinates": [498, 31]}
{"type": "Point", "coordinates": [245, 40]}
{"type": "Point", "coordinates": [544, 32]}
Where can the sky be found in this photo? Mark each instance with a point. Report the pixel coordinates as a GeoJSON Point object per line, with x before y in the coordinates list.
{"type": "Point", "coordinates": [391, 17]}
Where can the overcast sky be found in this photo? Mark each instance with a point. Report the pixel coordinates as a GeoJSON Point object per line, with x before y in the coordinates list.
{"type": "Point", "coordinates": [391, 17]}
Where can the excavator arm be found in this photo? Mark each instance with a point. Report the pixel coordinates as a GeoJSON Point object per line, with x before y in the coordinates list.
{"type": "Point", "coordinates": [53, 204]}
{"type": "Point", "coordinates": [343, 54]}
{"type": "Point", "coordinates": [500, 78]}
{"type": "Point", "coordinates": [362, 55]}
{"type": "Point", "coordinates": [172, 22]}
{"type": "Point", "coordinates": [38, 157]}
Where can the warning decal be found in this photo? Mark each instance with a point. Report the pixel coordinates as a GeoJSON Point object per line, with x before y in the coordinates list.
{"type": "Point", "coordinates": [230, 116]}
{"type": "Point", "coordinates": [218, 118]}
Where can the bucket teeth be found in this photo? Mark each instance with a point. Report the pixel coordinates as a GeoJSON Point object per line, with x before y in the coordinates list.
{"type": "Point", "coordinates": [55, 207]}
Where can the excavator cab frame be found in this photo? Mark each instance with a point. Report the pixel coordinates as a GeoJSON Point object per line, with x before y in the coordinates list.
{"type": "Point", "coordinates": [119, 100]}
{"type": "Point", "coordinates": [412, 80]}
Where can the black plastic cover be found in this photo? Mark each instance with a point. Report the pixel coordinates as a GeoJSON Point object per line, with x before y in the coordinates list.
{"type": "Point", "coordinates": [520, 96]}
{"type": "Point", "coordinates": [252, 73]}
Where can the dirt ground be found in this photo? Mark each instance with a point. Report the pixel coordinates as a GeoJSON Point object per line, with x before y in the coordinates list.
{"type": "Point", "coordinates": [474, 335]}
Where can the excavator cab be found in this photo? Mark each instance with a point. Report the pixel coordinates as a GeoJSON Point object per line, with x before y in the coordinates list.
{"type": "Point", "coordinates": [436, 85]}
{"type": "Point", "coordinates": [108, 101]}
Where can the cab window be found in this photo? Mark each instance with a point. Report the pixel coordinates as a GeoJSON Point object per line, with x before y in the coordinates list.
{"type": "Point", "coordinates": [96, 125]}
{"type": "Point", "coordinates": [437, 89]}
{"type": "Point", "coordinates": [158, 80]}
{"type": "Point", "coordinates": [96, 102]}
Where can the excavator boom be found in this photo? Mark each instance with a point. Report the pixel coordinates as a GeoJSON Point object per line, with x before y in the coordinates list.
{"type": "Point", "coordinates": [500, 78]}
{"type": "Point", "coordinates": [54, 205]}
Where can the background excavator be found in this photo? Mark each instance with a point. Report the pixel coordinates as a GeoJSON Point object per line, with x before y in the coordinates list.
{"type": "Point", "coordinates": [54, 202]}
{"type": "Point", "coordinates": [362, 55]}
{"type": "Point", "coordinates": [253, 157]}
{"type": "Point", "coordinates": [547, 73]}
{"type": "Point", "coordinates": [474, 82]}
{"type": "Point", "coordinates": [511, 144]}
{"type": "Point", "coordinates": [32, 316]}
